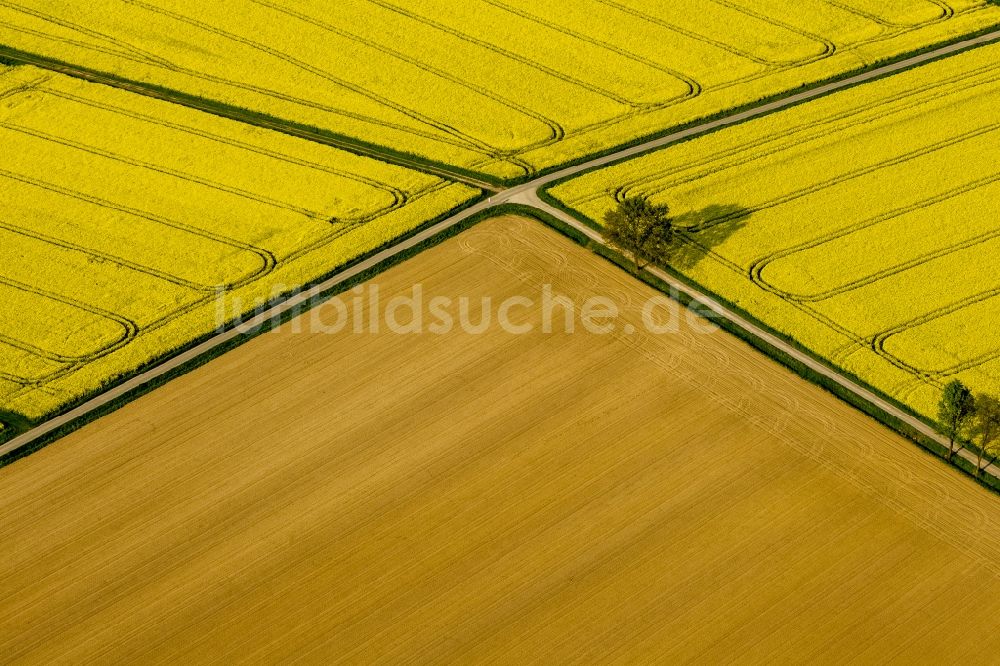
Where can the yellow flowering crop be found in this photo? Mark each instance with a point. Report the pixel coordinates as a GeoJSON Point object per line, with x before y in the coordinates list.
{"type": "Point", "coordinates": [506, 87]}
{"type": "Point", "coordinates": [124, 217]}
{"type": "Point", "coordinates": [865, 225]}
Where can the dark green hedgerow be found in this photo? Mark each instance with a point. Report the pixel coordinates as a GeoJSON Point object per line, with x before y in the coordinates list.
{"type": "Point", "coordinates": [12, 424]}
{"type": "Point", "coordinates": [413, 160]}
{"type": "Point", "coordinates": [251, 117]}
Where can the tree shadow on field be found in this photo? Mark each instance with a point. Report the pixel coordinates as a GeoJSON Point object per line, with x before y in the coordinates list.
{"type": "Point", "coordinates": [700, 231]}
{"type": "Point", "coordinates": [12, 424]}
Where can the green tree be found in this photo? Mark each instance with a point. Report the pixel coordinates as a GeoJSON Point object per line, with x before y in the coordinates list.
{"type": "Point", "coordinates": [642, 230]}
{"type": "Point", "coordinates": [954, 412]}
{"type": "Point", "coordinates": [986, 425]}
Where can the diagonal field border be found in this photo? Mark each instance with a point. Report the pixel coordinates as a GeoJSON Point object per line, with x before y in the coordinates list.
{"type": "Point", "coordinates": [529, 194]}
{"type": "Point", "coordinates": [465, 175]}
{"type": "Point", "coordinates": [325, 137]}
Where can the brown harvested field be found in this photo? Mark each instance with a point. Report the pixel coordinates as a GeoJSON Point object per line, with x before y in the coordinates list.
{"type": "Point", "coordinates": [536, 498]}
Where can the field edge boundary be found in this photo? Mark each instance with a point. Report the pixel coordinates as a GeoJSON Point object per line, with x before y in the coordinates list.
{"type": "Point", "coordinates": [804, 89]}
{"type": "Point", "coordinates": [461, 174]}
{"type": "Point", "coordinates": [28, 436]}
{"type": "Point", "coordinates": [253, 118]}
{"type": "Point", "coordinates": [552, 177]}
{"type": "Point", "coordinates": [989, 480]}
{"type": "Point", "coordinates": [433, 233]}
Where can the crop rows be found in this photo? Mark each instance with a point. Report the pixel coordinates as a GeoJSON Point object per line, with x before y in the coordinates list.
{"type": "Point", "coordinates": [506, 87]}
{"type": "Point", "coordinates": [863, 225]}
{"type": "Point", "coordinates": [582, 473]}
{"type": "Point", "coordinates": [126, 220]}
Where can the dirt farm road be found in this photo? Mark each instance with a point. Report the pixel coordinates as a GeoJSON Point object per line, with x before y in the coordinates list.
{"type": "Point", "coordinates": [526, 194]}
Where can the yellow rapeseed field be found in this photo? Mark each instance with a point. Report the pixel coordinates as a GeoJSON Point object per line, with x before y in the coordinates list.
{"type": "Point", "coordinates": [865, 225]}
{"type": "Point", "coordinates": [506, 87]}
{"type": "Point", "coordinates": [124, 218]}
{"type": "Point", "coordinates": [546, 498]}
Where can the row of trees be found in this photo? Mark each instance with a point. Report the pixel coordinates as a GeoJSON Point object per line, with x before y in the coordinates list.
{"type": "Point", "coordinates": [962, 414]}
